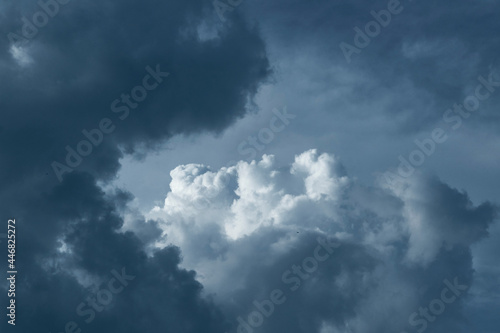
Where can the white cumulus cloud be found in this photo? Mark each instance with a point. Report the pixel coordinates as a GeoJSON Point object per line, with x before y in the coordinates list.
{"type": "Point", "coordinates": [239, 227]}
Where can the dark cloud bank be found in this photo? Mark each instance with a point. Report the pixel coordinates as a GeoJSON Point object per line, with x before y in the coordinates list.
{"type": "Point", "coordinates": [81, 60]}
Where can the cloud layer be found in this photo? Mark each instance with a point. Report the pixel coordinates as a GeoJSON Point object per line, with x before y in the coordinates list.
{"type": "Point", "coordinates": [332, 254]}
{"type": "Point", "coordinates": [63, 80]}
{"type": "Point", "coordinates": [241, 227]}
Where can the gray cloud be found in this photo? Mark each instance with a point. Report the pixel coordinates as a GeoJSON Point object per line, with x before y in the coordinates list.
{"type": "Point", "coordinates": [398, 244]}
{"type": "Point", "coordinates": [89, 55]}
{"type": "Point", "coordinates": [63, 81]}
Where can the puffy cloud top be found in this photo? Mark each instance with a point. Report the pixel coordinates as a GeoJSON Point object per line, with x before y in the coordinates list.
{"type": "Point", "coordinates": [245, 223]}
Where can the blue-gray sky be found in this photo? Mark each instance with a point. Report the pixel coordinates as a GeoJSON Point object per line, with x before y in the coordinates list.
{"type": "Point", "coordinates": [209, 150]}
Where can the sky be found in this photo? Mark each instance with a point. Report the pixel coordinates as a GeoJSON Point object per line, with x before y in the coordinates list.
{"type": "Point", "coordinates": [240, 166]}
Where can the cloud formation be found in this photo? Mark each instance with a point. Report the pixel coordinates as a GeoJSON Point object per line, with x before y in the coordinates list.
{"type": "Point", "coordinates": [240, 227]}
{"type": "Point", "coordinates": [88, 56]}
{"type": "Point", "coordinates": [62, 84]}
{"type": "Point", "coordinates": [226, 239]}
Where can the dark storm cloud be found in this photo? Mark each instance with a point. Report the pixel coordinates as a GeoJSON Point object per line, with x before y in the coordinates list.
{"type": "Point", "coordinates": [156, 294]}
{"type": "Point", "coordinates": [63, 80]}
{"type": "Point", "coordinates": [89, 54]}
{"type": "Point", "coordinates": [308, 298]}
